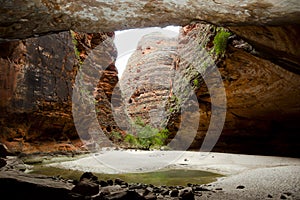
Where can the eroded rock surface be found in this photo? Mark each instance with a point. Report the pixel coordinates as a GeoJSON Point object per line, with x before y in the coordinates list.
{"type": "Point", "coordinates": [261, 96]}
{"type": "Point", "coordinates": [37, 82]}
{"type": "Point", "coordinates": [33, 18]}
{"type": "Point", "coordinates": [279, 44]}
{"type": "Point", "coordinates": [147, 80]}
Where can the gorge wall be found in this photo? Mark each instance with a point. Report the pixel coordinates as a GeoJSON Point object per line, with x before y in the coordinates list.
{"type": "Point", "coordinates": [146, 81]}
{"type": "Point", "coordinates": [262, 110]}
{"type": "Point", "coordinates": [37, 78]}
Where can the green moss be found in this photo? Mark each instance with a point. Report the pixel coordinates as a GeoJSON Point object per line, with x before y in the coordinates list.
{"type": "Point", "coordinates": [116, 136]}
{"type": "Point", "coordinates": [220, 41]}
{"type": "Point", "coordinates": [196, 82]}
{"type": "Point", "coordinates": [205, 65]}
{"type": "Point", "coordinates": [76, 51]}
{"type": "Point", "coordinates": [171, 110]}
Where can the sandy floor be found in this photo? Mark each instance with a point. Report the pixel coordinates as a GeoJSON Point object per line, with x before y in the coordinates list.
{"type": "Point", "coordinates": [264, 177]}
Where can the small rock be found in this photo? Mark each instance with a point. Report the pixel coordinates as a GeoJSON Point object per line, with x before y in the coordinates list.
{"type": "Point", "coordinates": [157, 190]}
{"type": "Point", "coordinates": [188, 196]}
{"type": "Point", "coordinates": [110, 182]}
{"type": "Point", "coordinates": [165, 192]}
{"type": "Point", "coordinates": [179, 187]}
{"type": "Point", "coordinates": [111, 189]}
{"type": "Point", "coordinates": [187, 189]}
{"type": "Point", "coordinates": [2, 162]}
{"type": "Point", "coordinates": [132, 195]}
{"type": "Point", "coordinates": [219, 188]}
{"type": "Point", "coordinates": [103, 183]}
{"type": "Point", "coordinates": [174, 193]}
{"type": "Point", "coordinates": [287, 193]}
{"type": "Point", "coordinates": [142, 192]}
{"type": "Point", "coordinates": [240, 187]}
{"type": "Point", "coordinates": [88, 175]}
{"type": "Point", "coordinates": [86, 187]}
{"type": "Point", "coordinates": [135, 186]}
{"type": "Point", "coordinates": [116, 196]}
{"type": "Point", "coordinates": [119, 181]}
{"type": "Point", "coordinates": [4, 151]}
{"type": "Point", "coordinates": [199, 188]}
{"type": "Point", "coordinates": [149, 189]}
{"type": "Point", "coordinates": [150, 196]}
{"type": "Point", "coordinates": [270, 196]}
{"type": "Point", "coordinates": [124, 195]}
{"type": "Point", "coordinates": [283, 196]}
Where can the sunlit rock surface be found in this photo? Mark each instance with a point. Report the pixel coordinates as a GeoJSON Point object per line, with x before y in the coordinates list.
{"type": "Point", "coordinates": [262, 107]}
{"type": "Point", "coordinates": [147, 80]}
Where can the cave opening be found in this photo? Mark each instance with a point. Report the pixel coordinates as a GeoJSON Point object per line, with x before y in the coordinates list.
{"type": "Point", "coordinates": [126, 42]}
{"type": "Point", "coordinates": [254, 48]}
{"type": "Point", "coordinates": [240, 73]}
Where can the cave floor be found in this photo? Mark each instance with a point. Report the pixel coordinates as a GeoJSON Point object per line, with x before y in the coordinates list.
{"type": "Point", "coordinates": [245, 176]}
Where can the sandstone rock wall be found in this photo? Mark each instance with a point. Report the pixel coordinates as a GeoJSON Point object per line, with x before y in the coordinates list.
{"type": "Point", "coordinates": [262, 107]}
{"type": "Point", "coordinates": [147, 80]}
{"type": "Point", "coordinates": [279, 44]}
{"type": "Point", "coordinates": [37, 77]}
{"type": "Point", "coordinates": [262, 101]}
{"type": "Point", "coordinates": [21, 19]}
{"type": "Point", "coordinates": [37, 87]}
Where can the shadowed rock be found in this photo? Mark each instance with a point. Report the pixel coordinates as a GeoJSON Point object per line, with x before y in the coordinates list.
{"type": "Point", "coordinates": [20, 19]}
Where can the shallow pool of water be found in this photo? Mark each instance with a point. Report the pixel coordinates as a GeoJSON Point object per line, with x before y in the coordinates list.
{"type": "Point", "coordinates": [166, 177]}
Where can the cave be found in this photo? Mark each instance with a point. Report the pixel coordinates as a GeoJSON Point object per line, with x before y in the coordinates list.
{"type": "Point", "coordinates": [227, 84]}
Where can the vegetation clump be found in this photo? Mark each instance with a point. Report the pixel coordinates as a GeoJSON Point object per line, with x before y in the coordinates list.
{"type": "Point", "coordinates": [220, 41]}
{"type": "Point", "coordinates": [196, 82]}
{"type": "Point", "coordinates": [146, 137]}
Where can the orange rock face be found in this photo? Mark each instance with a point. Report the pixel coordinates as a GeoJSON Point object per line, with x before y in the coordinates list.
{"type": "Point", "coordinates": [262, 107]}
{"type": "Point", "coordinates": [37, 78]}
{"type": "Point", "coordinates": [147, 80]}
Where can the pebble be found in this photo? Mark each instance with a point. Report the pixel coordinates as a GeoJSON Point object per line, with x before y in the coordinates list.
{"type": "Point", "coordinates": [240, 187]}
{"type": "Point", "coordinates": [283, 196]}
{"type": "Point", "coordinates": [174, 193]}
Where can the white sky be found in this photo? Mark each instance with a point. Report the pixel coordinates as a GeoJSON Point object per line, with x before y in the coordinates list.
{"type": "Point", "coordinates": [126, 42]}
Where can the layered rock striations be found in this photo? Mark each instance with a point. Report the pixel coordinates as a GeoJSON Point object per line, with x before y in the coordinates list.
{"type": "Point", "coordinates": [260, 97]}
{"type": "Point", "coordinates": [262, 105]}
{"type": "Point", "coordinates": [147, 80]}
{"type": "Point", "coordinates": [279, 44]}
{"type": "Point", "coordinates": [36, 85]}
